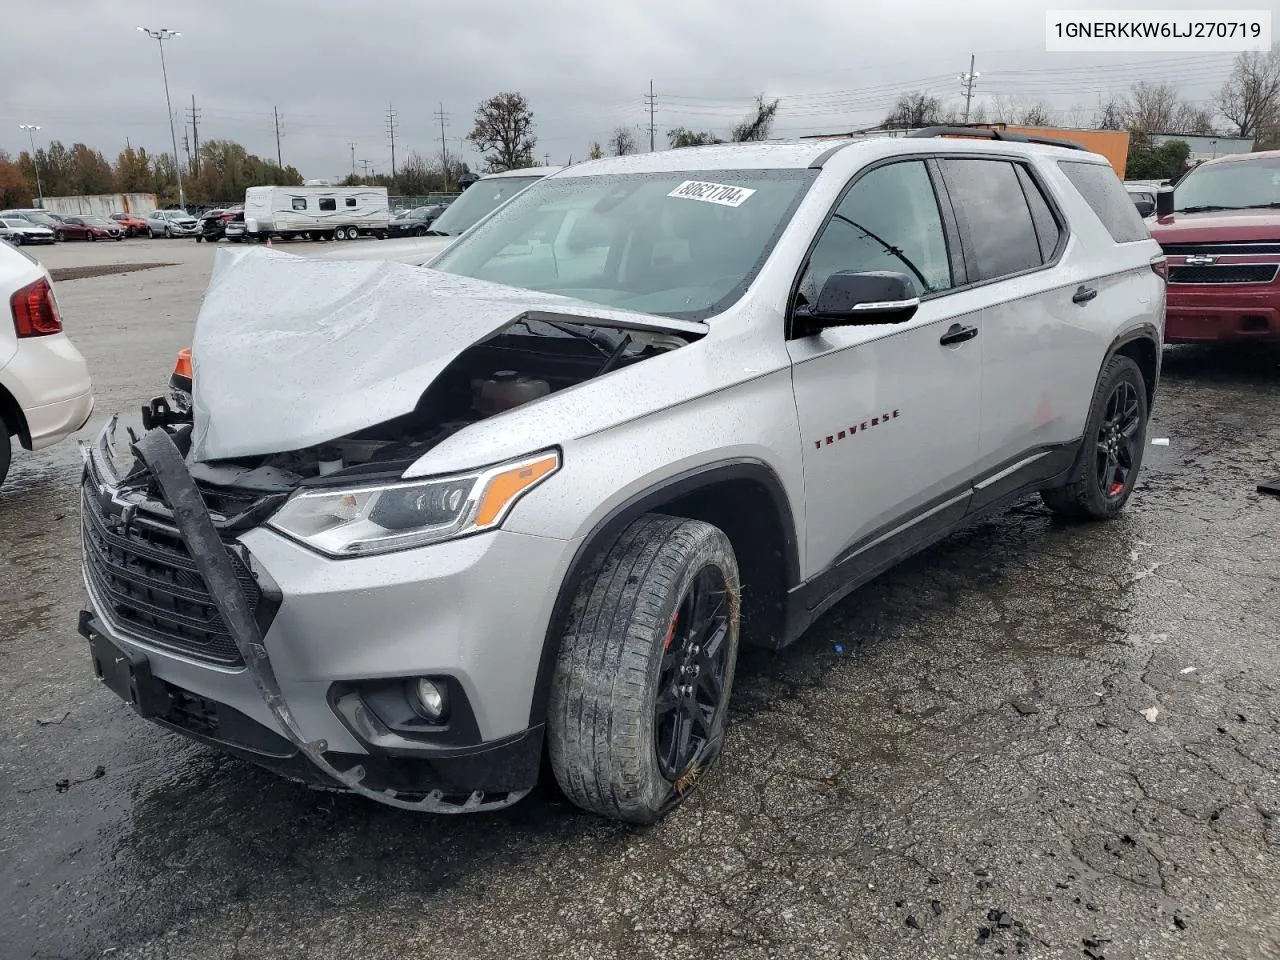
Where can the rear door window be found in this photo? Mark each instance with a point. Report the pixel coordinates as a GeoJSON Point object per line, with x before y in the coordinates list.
{"type": "Point", "coordinates": [996, 223]}
{"type": "Point", "coordinates": [1048, 231]}
{"type": "Point", "coordinates": [1104, 193]}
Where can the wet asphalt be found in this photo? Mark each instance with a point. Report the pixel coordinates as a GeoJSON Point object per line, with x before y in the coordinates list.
{"type": "Point", "coordinates": [1038, 740]}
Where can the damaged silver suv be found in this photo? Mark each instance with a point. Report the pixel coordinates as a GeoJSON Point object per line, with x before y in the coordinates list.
{"type": "Point", "coordinates": [424, 526]}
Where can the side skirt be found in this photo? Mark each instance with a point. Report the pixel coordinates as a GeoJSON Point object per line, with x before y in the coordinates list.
{"type": "Point", "coordinates": [889, 546]}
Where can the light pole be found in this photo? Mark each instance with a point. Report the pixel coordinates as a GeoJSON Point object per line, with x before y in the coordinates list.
{"type": "Point", "coordinates": [162, 35]}
{"type": "Point", "coordinates": [31, 129]}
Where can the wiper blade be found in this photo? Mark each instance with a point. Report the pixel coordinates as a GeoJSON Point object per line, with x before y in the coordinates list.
{"type": "Point", "coordinates": [1206, 208]}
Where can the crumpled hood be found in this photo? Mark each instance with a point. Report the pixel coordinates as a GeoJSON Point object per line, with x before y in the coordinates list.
{"type": "Point", "coordinates": [290, 352]}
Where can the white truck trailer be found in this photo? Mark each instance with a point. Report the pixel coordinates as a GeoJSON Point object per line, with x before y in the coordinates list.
{"type": "Point", "coordinates": [323, 211]}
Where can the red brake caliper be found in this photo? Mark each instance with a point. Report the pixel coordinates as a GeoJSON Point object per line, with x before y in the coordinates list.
{"type": "Point", "coordinates": [671, 633]}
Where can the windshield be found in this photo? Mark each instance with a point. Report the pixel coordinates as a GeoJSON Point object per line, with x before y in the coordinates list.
{"type": "Point", "coordinates": [41, 218]}
{"type": "Point", "coordinates": [1235, 185]}
{"type": "Point", "coordinates": [97, 221]}
{"type": "Point", "coordinates": [682, 245]}
{"type": "Point", "coordinates": [480, 198]}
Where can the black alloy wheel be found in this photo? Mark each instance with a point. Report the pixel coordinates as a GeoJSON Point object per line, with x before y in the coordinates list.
{"type": "Point", "coordinates": [1118, 436]}
{"type": "Point", "coordinates": [691, 677]}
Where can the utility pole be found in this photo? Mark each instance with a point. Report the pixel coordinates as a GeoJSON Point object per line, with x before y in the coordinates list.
{"type": "Point", "coordinates": [391, 131]}
{"type": "Point", "coordinates": [163, 34]}
{"type": "Point", "coordinates": [195, 137]}
{"type": "Point", "coordinates": [352, 145]}
{"type": "Point", "coordinates": [31, 129]}
{"type": "Point", "coordinates": [186, 146]}
{"type": "Point", "coordinates": [275, 111]}
{"type": "Point", "coordinates": [547, 158]}
{"type": "Point", "coordinates": [652, 101]}
{"type": "Point", "coordinates": [967, 80]}
{"type": "Point", "coordinates": [366, 168]}
{"type": "Point", "coordinates": [444, 151]}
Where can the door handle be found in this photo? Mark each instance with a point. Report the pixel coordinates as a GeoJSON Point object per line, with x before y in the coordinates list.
{"type": "Point", "coordinates": [958, 334]}
{"type": "Point", "coordinates": [1084, 294]}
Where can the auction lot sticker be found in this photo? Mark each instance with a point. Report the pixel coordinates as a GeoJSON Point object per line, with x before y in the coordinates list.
{"type": "Point", "coordinates": [721, 193]}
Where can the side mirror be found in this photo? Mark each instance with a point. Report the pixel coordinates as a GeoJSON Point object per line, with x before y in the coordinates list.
{"type": "Point", "coordinates": [850, 299]}
{"type": "Point", "coordinates": [1164, 203]}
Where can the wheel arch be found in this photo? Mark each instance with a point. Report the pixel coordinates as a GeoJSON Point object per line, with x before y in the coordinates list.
{"type": "Point", "coordinates": [1141, 344]}
{"type": "Point", "coordinates": [744, 498]}
{"type": "Point", "coordinates": [14, 420]}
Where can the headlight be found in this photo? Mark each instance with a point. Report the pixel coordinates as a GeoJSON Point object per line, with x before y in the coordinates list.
{"type": "Point", "coordinates": [358, 521]}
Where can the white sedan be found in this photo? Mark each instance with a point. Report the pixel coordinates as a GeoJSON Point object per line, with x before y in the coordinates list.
{"type": "Point", "coordinates": [45, 390]}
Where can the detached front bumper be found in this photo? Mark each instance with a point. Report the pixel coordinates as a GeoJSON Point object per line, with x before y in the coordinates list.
{"type": "Point", "coordinates": [321, 697]}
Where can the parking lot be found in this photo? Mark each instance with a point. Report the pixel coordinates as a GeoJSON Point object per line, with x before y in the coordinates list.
{"type": "Point", "coordinates": [1037, 740]}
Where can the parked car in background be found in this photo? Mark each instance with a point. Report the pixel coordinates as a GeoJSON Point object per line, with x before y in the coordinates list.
{"type": "Point", "coordinates": [19, 231]}
{"type": "Point", "coordinates": [89, 228]}
{"type": "Point", "coordinates": [134, 226]}
{"type": "Point", "coordinates": [45, 391]}
{"type": "Point", "coordinates": [172, 223]}
{"type": "Point", "coordinates": [212, 224]}
{"type": "Point", "coordinates": [667, 404]}
{"type": "Point", "coordinates": [414, 223]}
{"type": "Point", "coordinates": [1143, 197]}
{"type": "Point", "coordinates": [234, 229]}
{"type": "Point", "coordinates": [41, 218]}
{"type": "Point", "coordinates": [1221, 235]}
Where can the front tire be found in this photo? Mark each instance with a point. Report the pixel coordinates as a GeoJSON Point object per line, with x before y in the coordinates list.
{"type": "Point", "coordinates": [1114, 441]}
{"type": "Point", "coordinates": [639, 700]}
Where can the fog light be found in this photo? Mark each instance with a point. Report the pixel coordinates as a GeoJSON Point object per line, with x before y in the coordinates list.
{"type": "Point", "coordinates": [430, 698]}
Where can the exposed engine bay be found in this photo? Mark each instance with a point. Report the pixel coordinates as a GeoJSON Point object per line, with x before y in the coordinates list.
{"type": "Point", "coordinates": [526, 361]}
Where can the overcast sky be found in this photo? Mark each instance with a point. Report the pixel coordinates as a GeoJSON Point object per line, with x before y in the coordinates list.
{"type": "Point", "coordinates": [81, 70]}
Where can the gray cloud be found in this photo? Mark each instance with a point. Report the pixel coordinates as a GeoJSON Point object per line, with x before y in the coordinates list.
{"type": "Point", "coordinates": [82, 71]}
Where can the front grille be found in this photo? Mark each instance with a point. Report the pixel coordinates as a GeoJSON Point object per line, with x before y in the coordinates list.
{"type": "Point", "coordinates": [1225, 273]}
{"type": "Point", "coordinates": [149, 586]}
{"type": "Point", "coordinates": [1221, 249]}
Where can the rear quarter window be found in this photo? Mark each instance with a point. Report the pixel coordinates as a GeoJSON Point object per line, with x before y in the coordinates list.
{"type": "Point", "coordinates": [1107, 197]}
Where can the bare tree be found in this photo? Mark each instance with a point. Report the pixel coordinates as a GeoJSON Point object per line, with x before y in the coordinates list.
{"type": "Point", "coordinates": [914, 109]}
{"type": "Point", "coordinates": [684, 137]}
{"type": "Point", "coordinates": [978, 113]}
{"type": "Point", "coordinates": [1077, 116]}
{"type": "Point", "coordinates": [1005, 109]}
{"type": "Point", "coordinates": [1113, 114]}
{"type": "Point", "coordinates": [758, 125]}
{"type": "Point", "coordinates": [504, 129]}
{"type": "Point", "coordinates": [621, 142]}
{"type": "Point", "coordinates": [1192, 119]}
{"type": "Point", "coordinates": [1155, 107]}
{"type": "Point", "coordinates": [1250, 98]}
{"type": "Point", "coordinates": [1036, 114]}
{"type": "Point", "coordinates": [595, 151]}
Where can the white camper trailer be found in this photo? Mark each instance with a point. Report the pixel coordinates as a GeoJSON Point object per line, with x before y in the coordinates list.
{"type": "Point", "coordinates": [324, 211]}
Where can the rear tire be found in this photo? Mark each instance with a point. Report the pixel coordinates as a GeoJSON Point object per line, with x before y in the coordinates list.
{"type": "Point", "coordinates": [92, 236]}
{"type": "Point", "coordinates": [1115, 439]}
{"type": "Point", "coordinates": [639, 700]}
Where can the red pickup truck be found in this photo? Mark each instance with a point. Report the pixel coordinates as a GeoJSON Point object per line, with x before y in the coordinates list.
{"type": "Point", "coordinates": [1222, 241]}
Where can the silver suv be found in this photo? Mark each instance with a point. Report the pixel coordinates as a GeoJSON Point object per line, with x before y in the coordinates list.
{"type": "Point", "coordinates": [424, 525]}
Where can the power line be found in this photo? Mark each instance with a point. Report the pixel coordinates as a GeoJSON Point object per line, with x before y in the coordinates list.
{"type": "Point", "coordinates": [279, 160]}
{"type": "Point", "coordinates": [444, 150]}
{"type": "Point", "coordinates": [366, 168]}
{"type": "Point", "coordinates": [195, 137]}
{"type": "Point", "coordinates": [968, 80]}
{"type": "Point", "coordinates": [652, 101]}
{"type": "Point", "coordinates": [391, 132]}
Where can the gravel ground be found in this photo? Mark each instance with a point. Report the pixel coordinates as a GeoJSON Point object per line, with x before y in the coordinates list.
{"type": "Point", "coordinates": [1038, 740]}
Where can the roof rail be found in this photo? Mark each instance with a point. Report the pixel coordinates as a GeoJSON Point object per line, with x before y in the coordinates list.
{"type": "Point", "coordinates": [987, 134]}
